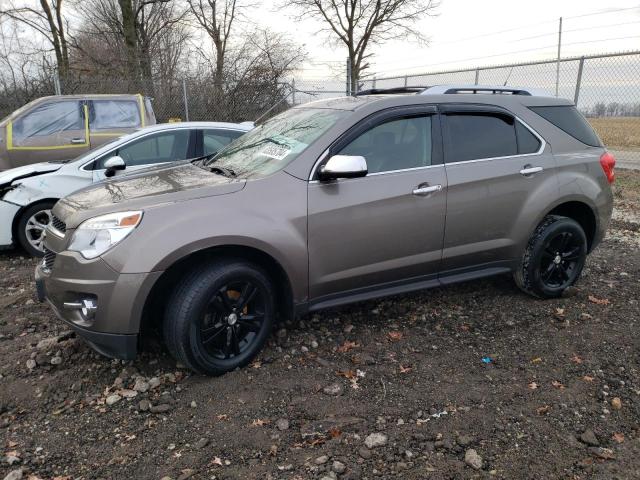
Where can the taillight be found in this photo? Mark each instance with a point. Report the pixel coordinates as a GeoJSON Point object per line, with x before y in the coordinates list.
{"type": "Point", "coordinates": [608, 163]}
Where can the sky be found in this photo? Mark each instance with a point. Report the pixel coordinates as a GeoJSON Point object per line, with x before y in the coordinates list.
{"type": "Point", "coordinates": [470, 33]}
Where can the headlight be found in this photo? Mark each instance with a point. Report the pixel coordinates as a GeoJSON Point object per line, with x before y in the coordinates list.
{"type": "Point", "coordinates": [97, 235]}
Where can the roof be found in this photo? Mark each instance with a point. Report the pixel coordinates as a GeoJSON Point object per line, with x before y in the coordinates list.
{"type": "Point", "coordinates": [244, 126]}
{"type": "Point", "coordinates": [495, 95]}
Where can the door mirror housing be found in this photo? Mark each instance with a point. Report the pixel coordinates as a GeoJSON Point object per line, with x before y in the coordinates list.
{"type": "Point", "coordinates": [114, 164]}
{"type": "Point", "coordinates": [343, 166]}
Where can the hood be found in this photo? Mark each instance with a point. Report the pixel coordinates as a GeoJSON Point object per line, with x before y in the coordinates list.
{"type": "Point", "coordinates": [148, 190]}
{"type": "Point", "coordinates": [9, 176]}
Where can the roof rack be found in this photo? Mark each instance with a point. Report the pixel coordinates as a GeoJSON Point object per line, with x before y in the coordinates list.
{"type": "Point", "coordinates": [394, 90]}
{"type": "Point", "coordinates": [482, 89]}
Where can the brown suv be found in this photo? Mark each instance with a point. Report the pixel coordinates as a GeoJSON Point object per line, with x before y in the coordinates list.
{"type": "Point", "coordinates": [333, 202]}
{"type": "Point", "coordinates": [65, 126]}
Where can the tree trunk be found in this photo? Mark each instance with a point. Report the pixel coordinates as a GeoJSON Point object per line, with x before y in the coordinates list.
{"type": "Point", "coordinates": [130, 39]}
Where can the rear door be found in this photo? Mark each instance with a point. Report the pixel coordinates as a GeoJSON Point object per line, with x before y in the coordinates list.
{"type": "Point", "coordinates": [215, 139]}
{"type": "Point", "coordinates": [153, 149]}
{"type": "Point", "coordinates": [110, 118]}
{"type": "Point", "coordinates": [383, 230]}
{"type": "Point", "coordinates": [51, 131]}
{"type": "Point", "coordinates": [495, 165]}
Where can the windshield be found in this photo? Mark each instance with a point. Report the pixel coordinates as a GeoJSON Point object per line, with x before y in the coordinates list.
{"type": "Point", "coordinates": [273, 145]}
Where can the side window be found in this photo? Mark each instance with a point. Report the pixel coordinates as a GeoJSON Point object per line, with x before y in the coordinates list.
{"type": "Point", "coordinates": [107, 114]}
{"type": "Point", "coordinates": [48, 119]}
{"type": "Point", "coordinates": [474, 136]}
{"type": "Point", "coordinates": [158, 148]}
{"type": "Point", "coordinates": [527, 141]}
{"type": "Point", "coordinates": [215, 140]}
{"type": "Point", "coordinates": [397, 144]}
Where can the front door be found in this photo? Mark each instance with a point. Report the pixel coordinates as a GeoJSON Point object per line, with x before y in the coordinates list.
{"type": "Point", "coordinates": [52, 131]}
{"type": "Point", "coordinates": [153, 149]}
{"type": "Point", "coordinates": [495, 165]}
{"type": "Point", "coordinates": [383, 230]}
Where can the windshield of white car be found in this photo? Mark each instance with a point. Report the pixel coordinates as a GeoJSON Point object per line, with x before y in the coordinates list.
{"type": "Point", "coordinates": [273, 145]}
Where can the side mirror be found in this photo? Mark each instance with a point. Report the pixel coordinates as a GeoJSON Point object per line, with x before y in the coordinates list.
{"type": "Point", "coordinates": [114, 164]}
{"type": "Point", "coordinates": [343, 166]}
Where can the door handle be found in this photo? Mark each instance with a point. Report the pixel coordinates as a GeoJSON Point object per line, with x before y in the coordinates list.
{"type": "Point", "coordinates": [422, 191]}
{"type": "Point", "coordinates": [77, 140]}
{"type": "Point", "coordinates": [530, 170]}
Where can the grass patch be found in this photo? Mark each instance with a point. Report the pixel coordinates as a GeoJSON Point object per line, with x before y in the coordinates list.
{"type": "Point", "coordinates": [618, 132]}
{"type": "Point", "coordinates": [626, 188]}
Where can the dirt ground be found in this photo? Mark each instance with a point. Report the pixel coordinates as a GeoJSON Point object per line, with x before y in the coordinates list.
{"type": "Point", "coordinates": [472, 381]}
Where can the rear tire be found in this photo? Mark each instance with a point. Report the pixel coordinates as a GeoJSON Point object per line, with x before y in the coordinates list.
{"type": "Point", "coordinates": [31, 226]}
{"type": "Point", "coordinates": [220, 316]}
{"type": "Point", "coordinates": [553, 259]}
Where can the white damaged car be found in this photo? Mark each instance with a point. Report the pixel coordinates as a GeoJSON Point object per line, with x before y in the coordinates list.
{"type": "Point", "coordinates": [28, 193]}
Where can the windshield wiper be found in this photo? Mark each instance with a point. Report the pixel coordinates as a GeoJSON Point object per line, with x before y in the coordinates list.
{"type": "Point", "coordinates": [227, 172]}
{"type": "Point", "coordinates": [201, 160]}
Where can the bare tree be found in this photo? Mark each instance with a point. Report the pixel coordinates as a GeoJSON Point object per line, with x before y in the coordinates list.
{"type": "Point", "coordinates": [46, 18]}
{"type": "Point", "coordinates": [217, 18]}
{"type": "Point", "coordinates": [361, 24]}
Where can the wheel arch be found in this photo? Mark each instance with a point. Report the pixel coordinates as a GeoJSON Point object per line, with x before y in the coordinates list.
{"type": "Point", "coordinates": [582, 213]}
{"type": "Point", "coordinates": [20, 212]}
{"type": "Point", "coordinates": [155, 302]}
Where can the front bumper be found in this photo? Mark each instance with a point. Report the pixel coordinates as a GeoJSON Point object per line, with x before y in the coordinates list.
{"type": "Point", "coordinates": [8, 213]}
{"type": "Point", "coordinates": [113, 328]}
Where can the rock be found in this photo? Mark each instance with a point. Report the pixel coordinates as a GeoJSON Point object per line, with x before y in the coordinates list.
{"type": "Point", "coordinates": [282, 333]}
{"type": "Point", "coordinates": [589, 438]}
{"type": "Point", "coordinates": [465, 440]}
{"type": "Point", "coordinates": [144, 405]}
{"type": "Point", "coordinates": [314, 344]}
{"type": "Point", "coordinates": [11, 459]}
{"type": "Point", "coordinates": [14, 475]}
{"type": "Point", "coordinates": [57, 360]}
{"type": "Point", "coordinates": [364, 453]}
{"type": "Point", "coordinates": [203, 442]}
{"type": "Point", "coordinates": [570, 292]}
{"type": "Point", "coordinates": [338, 466]}
{"type": "Point", "coordinates": [140, 385]}
{"type": "Point", "coordinates": [335, 389]}
{"type": "Point", "coordinates": [47, 343]}
{"type": "Point", "coordinates": [603, 453]}
{"type": "Point", "coordinates": [374, 440]}
{"type": "Point", "coordinates": [186, 473]}
{"type": "Point", "coordinates": [128, 393]}
{"type": "Point", "coordinates": [616, 403]}
{"type": "Point", "coordinates": [154, 382]}
{"type": "Point", "coordinates": [328, 477]}
{"type": "Point", "coordinates": [282, 424]}
{"type": "Point", "coordinates": [472, 459]}
{"type": "Point", "coordinates": [31, 364]}
{"type": "Point", "coordinates": [113, 399]}
{"type": "Point", "coordinates": [162, 408]}
{"type": "Point", "coordinates": [321, 460]}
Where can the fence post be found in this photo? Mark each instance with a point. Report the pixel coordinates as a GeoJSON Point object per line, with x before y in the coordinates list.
{"type": "Point", "coordinates": [293, 91]}
{"type": "Point", "coordinates": [184, 99]}
{"type": "Point", "coordinates": [373, 85]}
{"type": "Point", "coordinates": [405, 80]}
{"type": "Point", "coordinates": [558, 61]}
{"type": "Point", "coordinates": [578, 81]}
{"type": "Point", "coordinates": [348, 89]}
{"type": "Point", "coordinates": [56, 83]}
{"type": "Point", "coordinates": [477, 76]}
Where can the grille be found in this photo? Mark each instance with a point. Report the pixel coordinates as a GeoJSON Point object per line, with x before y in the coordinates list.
{"type": "Point", "coordinates": [49, 258]}
{"type": "Point", "coordinates": [58, 224]}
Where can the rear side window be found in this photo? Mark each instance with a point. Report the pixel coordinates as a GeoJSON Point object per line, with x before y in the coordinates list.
{"type": "Point", "coordinates": [568, 119]}
{"type": "Point", "coordinates": [527, 141]}
{"type": "Point", "coordinates": [473, 136]}
{"type": "Point", "coordinates": [114, 114]}
{"type": "Point", "coordinates": [215, 140]}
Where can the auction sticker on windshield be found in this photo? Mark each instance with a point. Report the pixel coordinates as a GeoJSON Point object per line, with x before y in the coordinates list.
{"type": "Point", "coordinates": [279, 152]}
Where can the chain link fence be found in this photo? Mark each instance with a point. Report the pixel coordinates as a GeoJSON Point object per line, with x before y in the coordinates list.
{"type": "Point", "coordinates": [606, 89]}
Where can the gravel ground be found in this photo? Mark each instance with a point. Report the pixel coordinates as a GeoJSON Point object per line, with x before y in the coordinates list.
{"type": "Point", "coordinates": [472, 381]}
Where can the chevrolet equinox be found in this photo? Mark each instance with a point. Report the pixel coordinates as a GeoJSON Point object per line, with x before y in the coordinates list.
{"type": "Point", "coordinates": [328, 203]}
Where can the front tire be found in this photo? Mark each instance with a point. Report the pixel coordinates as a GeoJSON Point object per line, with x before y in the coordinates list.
{"type": "Point", "coordinates": [553, 259]}
{"type": "Point", "coordinates": [31, 227]}
{"type": "Point", "coordinates": [220, 316]}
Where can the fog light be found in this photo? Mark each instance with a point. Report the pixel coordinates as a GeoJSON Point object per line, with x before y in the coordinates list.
{"type": "Point", "coordinates": [87, 307]}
